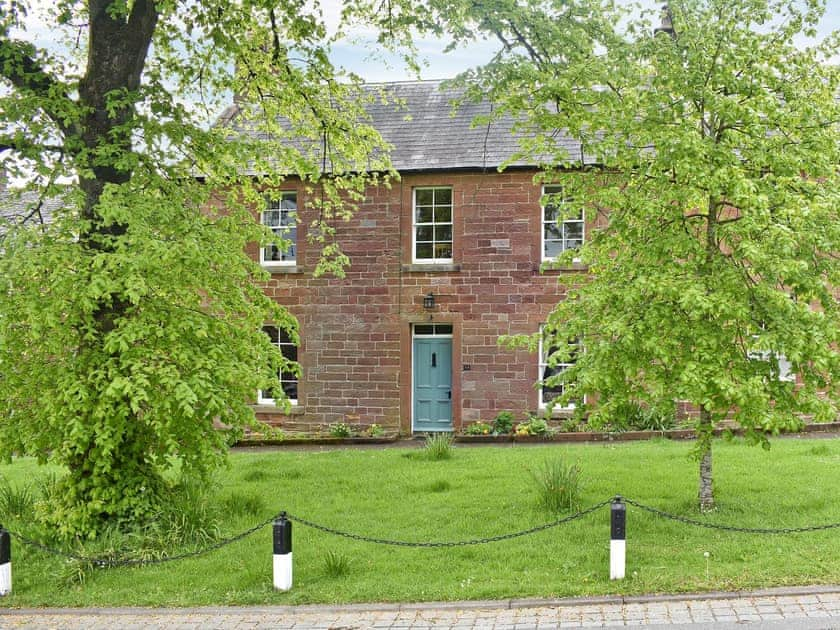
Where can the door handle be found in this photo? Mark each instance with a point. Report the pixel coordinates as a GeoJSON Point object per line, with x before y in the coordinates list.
{"type": "Point", "coordinates": [434, 359]}
{"type": "Point", "coordinates": [449, 394]}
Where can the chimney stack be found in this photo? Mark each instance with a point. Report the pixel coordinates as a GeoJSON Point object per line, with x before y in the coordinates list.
{"type": "Point", "coordinates": [667, 22]}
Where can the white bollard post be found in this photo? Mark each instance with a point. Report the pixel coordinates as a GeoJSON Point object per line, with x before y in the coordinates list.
{"type": "Point", "coordinates": [282, 553]}
{"type": "Point", "coordinates": [5, 562]}
{"type": "Point", "coordinates": [618, 547]}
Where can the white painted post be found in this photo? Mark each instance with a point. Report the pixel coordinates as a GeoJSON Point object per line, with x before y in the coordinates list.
{"type": "Point", "coordinates": [5, 562]}
{"type": "Point", "coordinates": [618, 547]}
{"type": "Point", "coordinates": [282, 553]}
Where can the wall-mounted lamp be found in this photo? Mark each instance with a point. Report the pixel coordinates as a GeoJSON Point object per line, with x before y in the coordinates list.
{"type": "Point", "coordinates": [429, 300]}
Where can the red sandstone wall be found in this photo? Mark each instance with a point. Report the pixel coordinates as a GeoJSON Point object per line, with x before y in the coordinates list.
{"type": "Point", "coordinates": [356, 331]}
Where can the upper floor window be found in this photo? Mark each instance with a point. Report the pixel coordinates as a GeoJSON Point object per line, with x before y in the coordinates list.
{"type": "Point", "coordinates": [549, 368]}
{"type": "Point", "coordinates": [281, 216]}
{"type": "Point", "coordinates": [432, 225]}
{"type": "Point", "coordinates": [287, 382]}
{"type": "Point", "coordinates": [559, 235]}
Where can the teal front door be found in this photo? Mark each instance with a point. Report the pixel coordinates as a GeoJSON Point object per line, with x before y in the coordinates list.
{"type": "Point", "coordinates": [432, 384]}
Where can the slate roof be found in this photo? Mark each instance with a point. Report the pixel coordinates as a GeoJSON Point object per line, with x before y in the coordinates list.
{"type": "Point", "coordinates": [18, 208]}
{"type": "Point", "coordinates": [438, 138]}
{"type": "Point", "coordinates": [427, 135]}
{"type": "Point", "coordinates": [419, 122]}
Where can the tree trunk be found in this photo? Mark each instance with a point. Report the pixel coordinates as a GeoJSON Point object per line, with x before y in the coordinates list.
{"type": "Point", "coordinates": [706, 492]}
{"type": "Point", "coordinates": [119, 481]}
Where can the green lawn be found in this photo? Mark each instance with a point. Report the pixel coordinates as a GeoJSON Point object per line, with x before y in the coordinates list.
{"type": "Point", "coordinates": [482, 492]}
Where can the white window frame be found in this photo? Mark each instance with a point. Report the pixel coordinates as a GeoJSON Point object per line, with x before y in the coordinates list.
{"type": "Point", "coordinates": [542, 364]}
{"type": "Point", "coordinates": [786, 373]}
{"type": "Point", "coordinates": [557, 190]}
{"type": "Point", "coordinates": [266, 400]}
{"type": "Point", "coordinates": [280, 229]}
{"type": "Point", "coordinates": [415, 225]}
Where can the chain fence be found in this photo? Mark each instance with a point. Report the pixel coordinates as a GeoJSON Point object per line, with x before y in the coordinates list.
{"type": "Point", "coordinates": [456, 543]}
{"type": "Point", "coordinates": [729, 528]}
{"type": "Point", "coordinates": [107, 562]}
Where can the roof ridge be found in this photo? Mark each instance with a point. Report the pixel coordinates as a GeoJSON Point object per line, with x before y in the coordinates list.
{"type": "Point", "coordinates": [406, 82]}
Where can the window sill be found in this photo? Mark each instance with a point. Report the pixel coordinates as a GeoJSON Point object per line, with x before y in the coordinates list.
{"type": "Point", "coordinates": [281, 269]}
{"type": "Point", "coordinates": [295, 410]}
{"type": "Point", "coordinates": [575, 266]}
{"type": "Point", "coordinates": [559, 412]}
{"type": "Point", "coordinates": [431, 267]}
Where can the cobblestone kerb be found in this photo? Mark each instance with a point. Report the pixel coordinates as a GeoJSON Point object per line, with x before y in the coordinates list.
{"type": "Point", "coordinates": [495, 604]}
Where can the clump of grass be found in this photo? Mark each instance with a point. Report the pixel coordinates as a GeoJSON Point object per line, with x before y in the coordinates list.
{"type": "Point", "coordinates": [190, 515]}
{"type": "Point", "coordinates": [256, 474]}
{"type": "Point", "coordinates": [820, 449]}
{"type": "Point", "coordinates": [336, 564]}
{"type": "Point", "coordinates": [16, 501]}
{"type": "Point", "coordinates": [241, 504]}
{"type": "Point", "coordinates": [441, 485]}
{"type": "Point", "coordinates": [438, 446]}
{"type": "Point", "coordinates": [558, 486]}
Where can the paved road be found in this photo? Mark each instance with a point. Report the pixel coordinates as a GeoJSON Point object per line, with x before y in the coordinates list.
{"type": "Point", "coordinates": [810, 608]}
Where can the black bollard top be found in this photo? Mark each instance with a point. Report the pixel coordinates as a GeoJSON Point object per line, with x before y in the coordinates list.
{"type": "Point", "coordinates": [282, 536]}
{"type": "Point", "coordinates": [5, 546]}
{"type": "Point", "coordinates": [618, 519]}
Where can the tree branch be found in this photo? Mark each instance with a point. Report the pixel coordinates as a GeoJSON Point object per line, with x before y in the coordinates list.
{"type": "Point", "coordinates": [21, 145]}
{"type": "Point", "coordinates": [19, 66]}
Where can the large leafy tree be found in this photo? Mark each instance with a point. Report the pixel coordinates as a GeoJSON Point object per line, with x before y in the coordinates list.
{"type": "Point", "coordinates": [714, 261]}
{"type": "Point", "coordinates": [130, 325]}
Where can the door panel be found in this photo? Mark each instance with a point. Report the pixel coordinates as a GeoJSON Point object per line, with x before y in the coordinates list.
{"type": "Point", "coordinates": [432, 384]}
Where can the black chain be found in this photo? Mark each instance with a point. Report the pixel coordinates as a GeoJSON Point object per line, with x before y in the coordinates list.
{"type": "Point", "coordinates": [128, 562]}
{"type": "Point", "coordinates": [457, 543]}
{"type": "Point", "coordinates": [730, 528]}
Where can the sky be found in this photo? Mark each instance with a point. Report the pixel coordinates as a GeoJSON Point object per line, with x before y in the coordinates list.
{"type": "Point", "coordinates": [355, 57]}
{"type": "Point", "coordinates": [443, 66]}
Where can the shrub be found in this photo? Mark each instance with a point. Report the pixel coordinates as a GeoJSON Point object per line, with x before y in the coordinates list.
{"type": "Point", "coordinates": [478, 428]}
{"type": "Point", "coordinates": [503, 423]}
{"type": "Point", "coordinates": [631, 415]}
{"type": "Point", "coordinates": [375, 430]}
{"type": "Point", "coordinates": [534, 426]}
{"type": "Point", "coordinates": [341, 430]}
{"type": "Point", "coordinates": [438, 446]}
{"type": "Point", "coordinates": [655, 419]}
{"type": "Point", "coordinates": [558, 485]}
{"type": "Point", "coordinates": [571, 425]}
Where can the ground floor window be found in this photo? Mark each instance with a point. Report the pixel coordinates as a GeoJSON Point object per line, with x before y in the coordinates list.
{"type": "Point", "coordinates": [550, 367]}
{"type": "Point", "coordinates": [287, 382]}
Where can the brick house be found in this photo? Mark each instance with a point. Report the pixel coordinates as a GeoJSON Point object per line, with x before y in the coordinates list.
{"type": "Point", "coordinates": [442, 264]}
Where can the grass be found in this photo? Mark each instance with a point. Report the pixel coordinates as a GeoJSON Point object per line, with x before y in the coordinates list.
{"type": "Point", "coordinates": [478, 492]}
